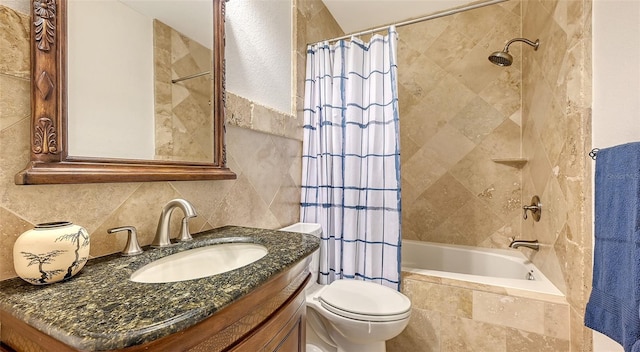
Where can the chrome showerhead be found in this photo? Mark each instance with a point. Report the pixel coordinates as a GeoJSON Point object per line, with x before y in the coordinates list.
{"type": "Point", "coordinates": [503, 58]}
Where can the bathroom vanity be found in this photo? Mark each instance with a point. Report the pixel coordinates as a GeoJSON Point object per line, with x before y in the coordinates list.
{"type": "Point", "coordinates": [258, 307]}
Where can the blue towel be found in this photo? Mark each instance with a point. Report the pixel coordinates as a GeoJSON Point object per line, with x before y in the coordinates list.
{"type": "Point", "coordinates": [613, 307]}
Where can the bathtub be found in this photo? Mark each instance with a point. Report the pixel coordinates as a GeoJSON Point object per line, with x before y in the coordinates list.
{"type": "Point", "coordinates": [495, 267]}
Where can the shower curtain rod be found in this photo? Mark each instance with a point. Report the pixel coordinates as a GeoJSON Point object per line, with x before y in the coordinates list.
{"type": "Point", "coordinates": [190, 77]}
{"type": "Point", "coordinates": [420, 19]}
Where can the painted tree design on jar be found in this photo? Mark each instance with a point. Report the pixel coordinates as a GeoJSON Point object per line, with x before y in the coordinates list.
{"type": "Point", "coordinates": [81, 240]}
{"type": "Point", "coordinates": [41, 260]}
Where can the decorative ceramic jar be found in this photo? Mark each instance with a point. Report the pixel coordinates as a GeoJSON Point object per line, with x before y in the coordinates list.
{"type": "Point", "coordinates": [51, 252]}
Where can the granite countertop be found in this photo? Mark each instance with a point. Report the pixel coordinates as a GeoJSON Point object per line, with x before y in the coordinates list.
{"type": "Point", "coordinates": [100, 309]}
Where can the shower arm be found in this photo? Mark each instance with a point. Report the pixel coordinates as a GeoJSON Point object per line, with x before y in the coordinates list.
{"type": "Point", "coordinates": [525, 40]}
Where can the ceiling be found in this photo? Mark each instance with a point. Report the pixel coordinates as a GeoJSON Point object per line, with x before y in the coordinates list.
{"type": "Point", "coordinates": [351, 15]}
{"type": "Point", "coordinates": [188, 17]}
{"type": "Point", "coordinates": [358, 15]}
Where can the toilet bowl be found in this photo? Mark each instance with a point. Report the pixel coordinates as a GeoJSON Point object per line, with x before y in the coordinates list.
{"type": "Point", "coordinates": [350, 315]}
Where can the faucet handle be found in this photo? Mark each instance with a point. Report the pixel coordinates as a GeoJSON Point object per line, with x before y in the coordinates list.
{"type": "Point", "coordinates": [132, 247]}
{"type": "Point", "coordinates": [184, 230]}
{"type": "Point", "coordinates": [535, 208]}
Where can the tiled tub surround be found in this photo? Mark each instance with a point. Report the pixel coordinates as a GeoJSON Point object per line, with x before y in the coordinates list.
{"type": "Point", "coordinates": [450, 315]}
{"type": "Point", "coordinates": [100, 309]}
{"type": "Point", "coordinates": [478, 306]}
{"type": "Point", "coordinates": [458, 112]}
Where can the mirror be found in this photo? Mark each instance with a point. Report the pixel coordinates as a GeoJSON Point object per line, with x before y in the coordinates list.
{"type": "Point", "coordinates": [62, 110]}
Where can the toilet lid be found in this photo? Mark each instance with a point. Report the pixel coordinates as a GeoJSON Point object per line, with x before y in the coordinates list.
{"type": "Point", "coordinates": [365, 301]}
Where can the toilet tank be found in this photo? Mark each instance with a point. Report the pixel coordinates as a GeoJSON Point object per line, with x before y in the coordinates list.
{"type": "Point", "coordinates": [304, 227]}
{"type": "Point", "coordinates": [314, 230]}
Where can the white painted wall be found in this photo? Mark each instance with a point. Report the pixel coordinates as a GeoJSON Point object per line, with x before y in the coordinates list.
{"type": "Point", "coordinates": [616, 87]}
{"type": "Point", "coordinates": [358, 15]}
{"type": "Point", "coordinates": [112, 61]}
{"type": "Point", "coordinates": [259, 52]}
{"type": "Point", "coordinates": [616, 72]}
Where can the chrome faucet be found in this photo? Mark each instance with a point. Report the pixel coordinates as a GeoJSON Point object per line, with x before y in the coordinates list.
{"type": "Point", "coordinates": [533, 244]}
{"type": "Point", "coordinates": [163, 236]}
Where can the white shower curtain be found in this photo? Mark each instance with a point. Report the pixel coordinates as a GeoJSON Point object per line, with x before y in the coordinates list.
{"type": "Point", "coordinates": [351, 158]}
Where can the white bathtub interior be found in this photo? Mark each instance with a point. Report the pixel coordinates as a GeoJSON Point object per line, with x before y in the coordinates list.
{"type": "Point", "coordinates": [497, 267]}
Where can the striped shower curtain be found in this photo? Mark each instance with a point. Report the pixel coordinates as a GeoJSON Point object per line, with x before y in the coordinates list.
{"type": "Point", "coordinates": [351, 158]}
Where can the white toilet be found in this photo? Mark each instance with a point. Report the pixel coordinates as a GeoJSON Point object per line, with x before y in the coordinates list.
{"type": "Point", "coordinates": [350, 315]}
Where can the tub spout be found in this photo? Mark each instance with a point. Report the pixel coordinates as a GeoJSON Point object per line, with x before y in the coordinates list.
{"type": "Point", "coordinates": [523, 243]}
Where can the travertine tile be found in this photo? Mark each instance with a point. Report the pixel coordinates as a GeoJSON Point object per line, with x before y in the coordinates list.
{"type": "Point", "coordinates": [555, 130]}
{"type": "Point", "coordinates": [422, 333]}
{"type": "Point", "coordinates": [418, 124]}
{"type": "Point", "coordinates": [447, 300]}
{"type": "Point", "coordinates": [239, 111]}
{"type": "Point", "coordinates": [420, 219]}
{"type": "Point", "coordinates": [449, 145]}
{"type": "Point", "coordinates": [556, 321]}
{"type": "Point", "coordinates": [477, 120]}
{"type": "Point", "coordinates": [524, 341]}
{"type": "Point", "coordinates": [520, 313]}
{"type": "Point", "coordinates": [142, 210]}
{"type": "Point", "coordinates": [11, 227]}
{"type": "Point", "coordinates": [440, 98]}
{"type": "Point", "coordinates": [204, 195]}
{"type": "Point", "coordinates": [420, 75]}
{"type": "Point", "coordinates": [581, 336]}
{"type": "Point", "coordinates": [474, 69]}
{"type": "Point", "coordinates": [268, 120]}
{"type": "Point", "coordinates": [451, 46]}
{"type": "Point", "coordinates": [502, 237]}
{"type": "Point", "coordinates": [320, 26]}
{"type": "Point", "coordinates": [14, 41]}
{"type": "Point", "coordinates": [422, 35]}
{"type": "Point", "coordinates": [293, 127]}
{"type": "Point", "coordinates": [503, 93]}
{"type": "Point", "coordinates": [446, 196]}
{"type": "Point", "coordinates": [243, 206]}
{"type": "Point", "coordinates": [555, 207]}
{"type": "Point", "coordinates": [551, 54]}
{"type": "Point", "coordinates": [475, 24]}
{"type": "Point", "coordinates": [286, 203]}
{"type": "Point", "coordinates": [472, 223]}
{"type": "Point", "coordinates": [423, 169]}
{"type": "Point", "coordinates": [14, 100]}
{"type": "Point", "coordinates": [461, 335]}
{"type": "Point", "coordinates": [496, 185]}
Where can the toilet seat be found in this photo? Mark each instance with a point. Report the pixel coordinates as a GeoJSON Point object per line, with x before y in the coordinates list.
{"type": "Point", "coordinates": [367, 301]}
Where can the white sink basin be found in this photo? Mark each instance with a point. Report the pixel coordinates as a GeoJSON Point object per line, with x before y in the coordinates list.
{"type": "Point", "coordinates": [200, 262]}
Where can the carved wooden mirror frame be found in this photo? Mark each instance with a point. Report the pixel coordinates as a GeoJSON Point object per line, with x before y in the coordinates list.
{"type": "Point", "coordinates": [50, 162]}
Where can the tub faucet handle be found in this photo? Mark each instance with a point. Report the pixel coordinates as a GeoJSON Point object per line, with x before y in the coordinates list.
{"type": "Point", "coordinates": [132, 247]}
{"type": "Point", "coordinates": [535, 208]}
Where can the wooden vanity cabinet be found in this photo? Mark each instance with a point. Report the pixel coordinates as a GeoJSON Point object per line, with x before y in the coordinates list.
{"type": "Point", "coordinates": [285, 332]}
{"type": "Point", "coordinates": [270, 318]}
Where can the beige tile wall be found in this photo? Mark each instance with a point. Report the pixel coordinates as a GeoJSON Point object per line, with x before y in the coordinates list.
{"type": "Point", "coordinates": [458, 113]}
{"type": "Point", "coordinates": [556, 122]}
{"type": "Point", "coordinates": [265, 194]}
{"type": "Point", "coordinates": [183, 114]}
{"type": "Point", "coordinates": [313, 23]}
